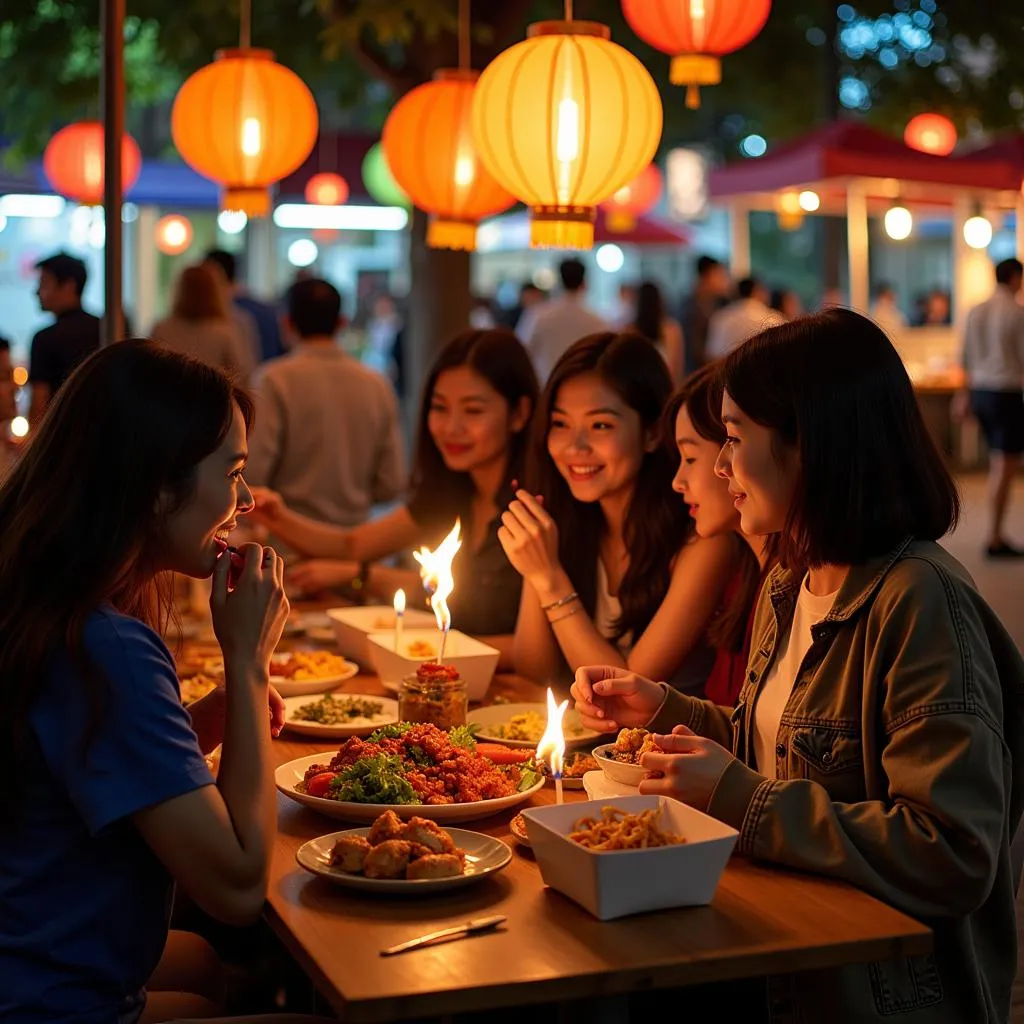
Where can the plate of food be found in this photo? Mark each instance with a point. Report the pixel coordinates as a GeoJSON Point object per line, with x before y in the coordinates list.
{"type": "Point", "coordinates": [413, 770]}
{"type": "Point", "coordinates": [522, 725]}
{"type": "Point", "coordinates": [410, 857]}
{"type": "Point", "coordinates": [517, 826]}
{"type": "Point", "coordinates": [195, 685]}
{"type": "Point", "coordinates": [300, 673]}
{"type": "Point", "coordinates": [574, 767]}
{"type": "Point", "coordinates": [620, 760]}
{"type": "Point", "coordinates": [338, 715]}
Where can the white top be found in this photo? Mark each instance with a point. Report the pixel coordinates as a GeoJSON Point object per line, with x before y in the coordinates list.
{"type": "Point", "coordinates": [218, 343]}
{"type": "Point", "coordinates": [994, 343]}
{"type": "Point", "coordinates": [740, 320]}
{"type": "Point", "coordinates": [327, 435]}
{"type": "Point", "coordinates": [550, 328]}
{"type": "Point", "coordinates": [778, 683]}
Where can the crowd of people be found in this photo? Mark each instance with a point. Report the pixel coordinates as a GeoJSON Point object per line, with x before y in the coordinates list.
{"type": "Point", "coordinates": [726, 533]}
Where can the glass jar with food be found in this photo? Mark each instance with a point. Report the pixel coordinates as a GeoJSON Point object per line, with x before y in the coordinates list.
{"type": "Point", "coordinates": [435, 694]}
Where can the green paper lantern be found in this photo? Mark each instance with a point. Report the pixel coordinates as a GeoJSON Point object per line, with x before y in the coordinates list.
{"type": "Point", "coordinates": [380, 182]}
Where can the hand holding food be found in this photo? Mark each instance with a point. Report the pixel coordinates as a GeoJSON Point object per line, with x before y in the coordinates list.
{"type": "Point", "coordinates": [530, 537]}
{"type": "Point", "coordinates": [690, 765]}
{"type": "Point", "coordinates": [610, 698]}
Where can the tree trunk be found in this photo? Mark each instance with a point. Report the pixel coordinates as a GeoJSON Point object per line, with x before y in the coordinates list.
{"type": "Point", "coordinates": [439, 306]}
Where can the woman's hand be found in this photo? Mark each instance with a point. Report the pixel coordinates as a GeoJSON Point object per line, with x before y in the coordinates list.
{"type": "Point", "coordinates": [275, 703]}
{"type": "Point", "coordinates": [690, 767]}
{"type": "Point", "coordinates": [610, 698]}
{"type": "Point", "coordinates": [530, 538]}
{"type": "Point", "coordinates": [248, 620]}
{"type": "Point", "coordinates": [318, 574]}
{"type": "Point", "coordinates": [268, 504]}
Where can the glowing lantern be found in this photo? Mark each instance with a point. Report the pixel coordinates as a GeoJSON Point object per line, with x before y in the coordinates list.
{"type": "Point", "coordinates": [173, 234]}
{"type": "Point", "coordinates": [695, 33]}
{"type": "Point", "coordinates": [73, 162]}
{"type": "Point", "coordinates": [931, 133]}
{"type": "Point", "coordinates": [563, 120]}
{"type": "Point", "coordinates": [428, 142]}
{"type": "Point", "coordinates": [379, 180]}
{"type": "Point", "coordinates": [244, 121]}
{"type": "Point", "coordinates": [633, 200]}
{"type": "Point", "coordinates": [789, 212]}
{"type": "Point", "coordinates": [327, 189]}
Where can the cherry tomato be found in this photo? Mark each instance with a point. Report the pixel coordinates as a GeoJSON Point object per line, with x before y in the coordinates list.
{"type": "Point", "coordinates": [320, 784]}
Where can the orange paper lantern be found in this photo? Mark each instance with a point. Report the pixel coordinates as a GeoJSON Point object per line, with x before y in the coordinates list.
{"type": "Point", "coordinates": [695, 33]}
{"type": "Point", "coordinates": [633, 200]}
{"type": "Point", "coordinates": [173, 234]}
{"type": "Point", "coordinates": [244, 121]}
{"type": "Point", "coordinates": [73, 162]}
{"type": "Point", "coordinates": [327, 189]}
{"type": "Point", "coordinates": [931, 133]}
{"type": "Point", "coordinates": [428, 143]}
{"type": "Point", "coordinates": [563, 120]}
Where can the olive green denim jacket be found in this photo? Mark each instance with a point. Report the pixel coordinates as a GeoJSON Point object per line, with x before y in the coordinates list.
{"type": "Point", "coordinates": [900, 761]}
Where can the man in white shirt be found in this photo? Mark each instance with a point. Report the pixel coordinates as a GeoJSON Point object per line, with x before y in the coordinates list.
{"type": "Point", "coordinates": [748, 315]}
{"type": "Point", "coordinates": [549, 329]}
{"type": "Point", "coordinates": [327, 435]}
{"type": "Point", "coordinates": [993, 362]}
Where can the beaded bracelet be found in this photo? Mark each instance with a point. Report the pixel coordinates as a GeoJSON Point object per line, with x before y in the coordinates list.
{"type": "Point", "coordinates": [558, 604]}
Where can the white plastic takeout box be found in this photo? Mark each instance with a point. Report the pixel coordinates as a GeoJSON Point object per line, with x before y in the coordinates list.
{"type": "Point", "coordinates": [618, 883]}
{"type": "Point", "coordinates": [352, 627]}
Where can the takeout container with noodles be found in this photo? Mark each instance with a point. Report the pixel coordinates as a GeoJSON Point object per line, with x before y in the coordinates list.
{"type": "Point", "coordinates": [353, 626]}
{"type": "Point", "coordinates": [617, 883]}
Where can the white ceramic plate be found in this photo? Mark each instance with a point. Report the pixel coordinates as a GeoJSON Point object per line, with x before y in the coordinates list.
{"type": "Point", "coordinates": [297, 687]}
{"type": "Point", "coordinates": [484, 856]}
{"type": "Point", "coordinates": [353, 727]}
{"type": "Point", "coordinates": [496, 715]}
{"type": "Point", "coordinates": [288, 775]}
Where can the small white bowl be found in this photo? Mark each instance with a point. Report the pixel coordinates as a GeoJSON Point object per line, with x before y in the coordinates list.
{"type": "Point", "coordinates": [627, 774]}
{"type": "Point", "coordinates": [475, 661]}
{"type": "Point", "coordinates": [352, 627]}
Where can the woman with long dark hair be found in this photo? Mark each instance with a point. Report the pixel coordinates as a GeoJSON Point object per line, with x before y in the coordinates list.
{"type": "Point", "coordinates": [135, 473]}
{"type": "Point", "coordinates": [879, 737]}
{"type": "Point", "coordinates": [478, 401]}
{"type": "Point", "coordinates": [653, 323]}
{"type": "Point", "coordinates": [613, 572]}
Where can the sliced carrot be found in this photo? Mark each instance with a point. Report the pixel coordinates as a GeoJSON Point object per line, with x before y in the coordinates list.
{"type": "Point", "coordinates": [503, 755]}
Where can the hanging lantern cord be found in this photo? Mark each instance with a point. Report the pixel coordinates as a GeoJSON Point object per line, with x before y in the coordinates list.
{"type": "Point", "coordinates": [568, 10]}
{"type": "Point", "coordinates": [464, 40]}
{"type": "Point", "coordinates": [245, 24]}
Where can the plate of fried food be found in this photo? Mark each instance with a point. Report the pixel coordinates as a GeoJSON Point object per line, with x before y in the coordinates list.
{"type": "Point", "coordinates": [522, 725]}
{"type": "Point", "coordinates": [410, 857]}
{"type": "Point", "coordinates": [621, 760]}
{"type": "Point", "coordinates": [338, 715]}
{"type": "Point", "coordinates": [574, 767]}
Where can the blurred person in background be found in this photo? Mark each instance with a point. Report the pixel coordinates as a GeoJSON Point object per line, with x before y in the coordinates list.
{"type": "Point", "coordinates": [651, 322]}
{"type": "Point", "coordinates": [710, 293]}
{"type": "Point", "coordinates": [529, 296]}
{"type": "Point", "coordinates": [787, 303]}
{"type": "Point", "coordinates": [481, 316]}
{"type": "Point", "coordinates": [748, 315]}
{"type": "Point", "coordinates": [885, 310]}
{"type": "Point", "coordinates": [382, 330]}
{"type": "Point", "coordinates": [58, 349]}
{"type": "Point", "coordinates": [259, 320]}
{"type": "Point", "coordinates": [938, 308]}
{"type": "Point", "coordinates": [549, 330]}
{"type": "Point", "coordinates": [201, 326]}
{"type": "Point", "coordinates": [625, 314]}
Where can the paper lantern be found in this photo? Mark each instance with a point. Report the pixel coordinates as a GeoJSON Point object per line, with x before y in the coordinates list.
{"type": "Point", "coordinates": [633, 200]}
{"type": "Point", "coordinates": [428, 142]}
{"type": "Point", "coordinates": [563, 120]}
{"type": "Point", "coordinates": [931, 133]}
{"type": "Point", "coordinates": [788, 211]}
{"type": "Point", "coordinates": [379, 180]}
{"type": "Point", "coordinates": [244, 121]}
{"type": "Point", "coordinates": [327, 189]}
{"type": "Point", "coordinates": [73, 162]}
{"type": "Point", "coordinates": [173, 234]}
{"type": "Point", "coordinates": [695, 33]}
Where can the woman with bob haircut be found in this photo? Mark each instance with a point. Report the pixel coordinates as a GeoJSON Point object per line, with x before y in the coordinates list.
{"type": "Point", "coordinates": [613, 571]}
{"type": "Point", "coordinates": [134, 474]}
{"type": "Point", "coordinates": [878, 737]}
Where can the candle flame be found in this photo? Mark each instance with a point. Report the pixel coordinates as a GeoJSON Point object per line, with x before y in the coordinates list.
{"type": "Point", "coordinates": [436, 573]}
{"type": "Point", "coordinates": [552, 744]}
{"type": "Point", "coordinates": [399, 602]}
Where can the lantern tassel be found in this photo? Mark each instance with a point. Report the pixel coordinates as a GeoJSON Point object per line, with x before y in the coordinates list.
{"type": "Point", "coordinates": [693, 96]}
{"type": "Point", "coordinates": [451, 234]}
{"type": "Point", "coordinates": [464, 37]}
{"type": "Point", "coordinates": [245, 24]}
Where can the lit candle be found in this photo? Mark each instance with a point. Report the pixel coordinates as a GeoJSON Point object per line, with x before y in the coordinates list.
{"type": "Point", "coordinates": [399, 615]}
{"type": "Point", "coordinates": [436, 573]}
{"type": "Point", "coordinates": [552, 744]}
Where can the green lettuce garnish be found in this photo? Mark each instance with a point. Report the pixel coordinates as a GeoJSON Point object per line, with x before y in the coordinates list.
{"type": "Point", "coordinates": [463, 736]}
{"type": "Point", "coordinates": [530, 776]}
{"type": "Point", "coordinates": [389, 732]}
{"type": "Point", "coordinates": [374, 780]}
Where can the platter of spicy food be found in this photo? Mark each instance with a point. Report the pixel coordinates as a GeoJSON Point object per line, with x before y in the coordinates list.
{"type": "Point", "coordinates": [412, 770]}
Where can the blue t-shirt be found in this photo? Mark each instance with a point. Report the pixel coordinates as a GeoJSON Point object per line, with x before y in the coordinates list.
{"type": "Point", "coordinates": [84, 902]}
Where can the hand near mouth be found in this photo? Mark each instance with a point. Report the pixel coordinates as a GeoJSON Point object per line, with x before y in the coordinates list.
{"type": "Point", "coordinates": [530, 537]}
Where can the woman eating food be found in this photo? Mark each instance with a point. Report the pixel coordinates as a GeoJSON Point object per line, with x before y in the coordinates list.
{"type": "Point", "coordinates": [613, 572]}
{"type": "Point", "coordinates": [478, 401]}
{"type": "Point", "coordinates": [135, 473]}
{"type": "Point", "coordinates": [693, 418]}
{"type": "Point", "coordinates": [878, 736]}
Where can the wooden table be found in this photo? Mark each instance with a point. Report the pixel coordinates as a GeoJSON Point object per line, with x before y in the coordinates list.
{"type": "Point", "coordinates": [763, 920]}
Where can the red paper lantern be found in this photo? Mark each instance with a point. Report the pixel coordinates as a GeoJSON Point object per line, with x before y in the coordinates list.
{"type": "Point", "coordinates": [633, 200]}
{"type": "Point", "coordinates": [931, 133]}
{"type": "Point", "coordinates": [73, 162]}
{"type": "Point", "coordinates": [327, 189]}
{"type": "Point", "coordinates": [695, 33]}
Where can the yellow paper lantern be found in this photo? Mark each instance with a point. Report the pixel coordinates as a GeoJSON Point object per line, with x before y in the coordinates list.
{"type": "Point", "coordinates": [246, 122]}
{"type": "Point", "coordinates": [563, 120]}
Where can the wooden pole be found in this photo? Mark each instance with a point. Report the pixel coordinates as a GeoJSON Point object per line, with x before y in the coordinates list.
{"type": "Point", "coordinates": [112, 100]}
